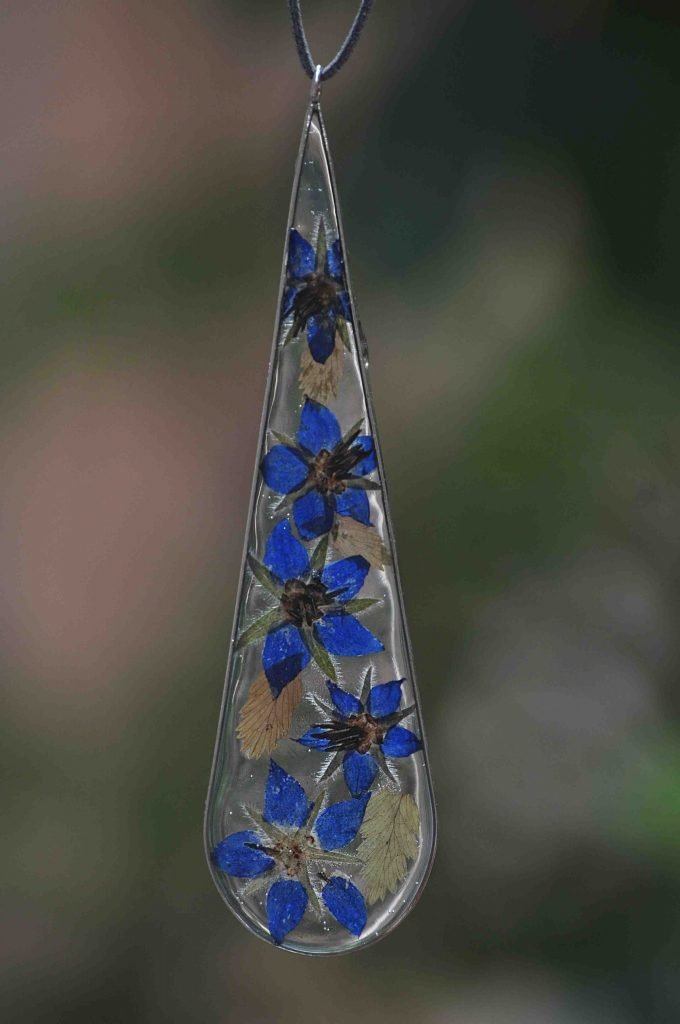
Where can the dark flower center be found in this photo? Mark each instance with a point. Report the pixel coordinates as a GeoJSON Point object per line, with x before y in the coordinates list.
{"type": "Point", "coordinates": [358, 732]}
{"type": "Point", "coordinates": [318, 295]}
{"type": "Point", "coordinates": [329, 470]}
{"type": "Point", "coordinates": [304, 603]}
{"type": "Point", "coordinates": [291, 854]}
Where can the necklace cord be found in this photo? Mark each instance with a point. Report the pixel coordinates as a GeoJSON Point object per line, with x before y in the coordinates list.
{"type": "Point", "coordinates": [345, 51]}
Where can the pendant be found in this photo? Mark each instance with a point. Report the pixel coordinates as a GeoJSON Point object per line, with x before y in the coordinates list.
{"type": "Point", "coordinates": [320, 821]}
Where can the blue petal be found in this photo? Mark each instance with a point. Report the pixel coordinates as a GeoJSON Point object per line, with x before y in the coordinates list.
{"type": "Point", "coordinates": [335, 265]}
{"type": "Point", "coordinates": [369, 461]}
{"type": "Point", "coordinates": [345, 306]}
{"type": "Point", "coordinates": [284, 469]}
{"type": "Point", "coordinates": [354, 503]}
{"type": "Point", "coordinates": [284, 656]}
{"type": "Point", "coordinates": [338, 824]}
{"type": "Point", "coordinates": [345, 903]}
{"type": "Point", "coordinates": [400, 742]}
{"type": "Point", "coordinates": [284, 555]}
{"type": "Point", "coordinates": [321, 335]}
{"type": "Point", "coordinates": [385, 699]}
{"type": "Point", "coordinates": [319, 428]}
{"type": "Point", "coordinates": [346, 576]}
{"type": "Point", "coordinates": [344, 702]}
{"type": "Point", "coordinates": [341, 634]}
{"type": "Point", "coordinates": [301, 256]}
{"type": "Point", "coordinates": [285, 801]}
{"type": "Point", "coordinates": [286, 905]}
{"type": "Point", "coordinates": [236, 858]}
{"type": "Point", "coordinates": [287, 300]}
{"type": "Point", "coordinates": [359, 771]}
{"type": "Point", "coordinates": [313, 514]}
{"type": "Point", "coordinates": [314, 739]}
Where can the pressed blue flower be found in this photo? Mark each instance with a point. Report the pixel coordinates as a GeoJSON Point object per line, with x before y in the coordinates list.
{"type": "Point", "coordinates": [325, 469]}
{"type": "Point", "coordinates": [316, 293]}
{"type": "Point", "coordinates": [281, 850]}
{"type": "Point", "coordinates": [362, 732]}
{"type": "Point", "coordinates": [314, 613]}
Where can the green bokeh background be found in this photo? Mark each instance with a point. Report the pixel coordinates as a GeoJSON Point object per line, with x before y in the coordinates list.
{"type": "Point", "coordinates": [509, 177]}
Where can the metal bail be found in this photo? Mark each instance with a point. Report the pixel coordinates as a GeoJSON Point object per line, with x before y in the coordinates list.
{"type": "Point", "coordinates": [315, 91]}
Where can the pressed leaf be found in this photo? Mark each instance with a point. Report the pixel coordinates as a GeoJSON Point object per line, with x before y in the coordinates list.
{"type": "Point", "coordinates": [331, 767]}
{"type": "Point", "coordinates": [360, 483]}
{"type": "Point", "coordinates": [292, 334]}
{"type": "Point", "coordinates": [320, 655]}
{"type": "Point", "coordinates": [321, 247]}
{"type": "Point", "coordinates": [350, 537]}
{"type": "Point", "coordinates": [320, 380]}
{"type": "Point", "coordinates": [360, 604]}
{"type": "Point", "coordinates": [256, 886]}
{"type": "Point", "coordinates": [266, 719]}
{"type": "Point", "coordinates": [352, 432]}
{"type": "Point", "coordinates": [379, 755]}
{"type": "Point", "coordinates": [344, 333]}
{"type": "Point", "coordinates": [389, 834]}
{"type": "Point", "coordinates": [309, 882]}
{"type": "Point", "coordinates": [366, 685]}
{"type": "Point", "coordinates": [258, 628]}
{"type": "Point", "coordinates": [283, 439]}
{"type": "Point", "coordinates": [318, 559]}
{"type": "Point", "coordinates": [263, 576]}
{"type": "Point", "coordinates": [285, 502]}
{"type": "Point", "coordinates": [288, 500]}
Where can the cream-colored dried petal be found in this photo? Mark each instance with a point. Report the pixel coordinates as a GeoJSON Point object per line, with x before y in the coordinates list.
{"type": "Point", "coordinates": [350, 537]}
{"type": "Point", "coordinates": [266, 719]}
{"type": "Point", "coordinates": [320, 381]}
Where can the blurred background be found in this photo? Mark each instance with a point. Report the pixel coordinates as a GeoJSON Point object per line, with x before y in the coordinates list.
{"type": "Point", "coordinates": [509, 172]}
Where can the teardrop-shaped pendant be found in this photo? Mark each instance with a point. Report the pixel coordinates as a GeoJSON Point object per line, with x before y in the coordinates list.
{"type": "Point", "coordinates": [320, 821]}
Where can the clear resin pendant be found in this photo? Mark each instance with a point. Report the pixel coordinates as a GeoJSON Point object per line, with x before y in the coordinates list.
{"type": "Point", "coordinates": [320, 821]}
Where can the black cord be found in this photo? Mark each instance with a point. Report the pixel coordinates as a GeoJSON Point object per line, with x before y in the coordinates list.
{"type": "Point", "coordinates": [345, 51]}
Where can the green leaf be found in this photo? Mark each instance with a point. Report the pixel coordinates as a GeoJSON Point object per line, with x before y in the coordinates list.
{"type": "Point", "coordinates": [320, 655]}
{"type": "Point", "coordinates": [336, 857]}
{"type": "Point", "coordinates": [258, 628]}
{"type": "Point", "coordinates": [263, 576]}
{"type": "Point", "coordinates": [360, 604]}
{"type": "Point", "coordinates": [366, 685]}
{"type": "Point", "coordinates": [283, 439]}
{"type": "Point", "coordinates": [341, 325]}
{"type": "Point", "coordinates": [330, 768]}
{"type": "Point", "coordinates": [318, 559]}
{"type": "Point", "coordinates": [313, 814]}
{"type": "Point", "coordinates": [406, 711]}
{"type": "Point", "coordinates": [285, 502]}
{"type": "Point", "coordinates": [292, 333]}
{"type": "Point", "coordinates": [353, 431]}
{"type": "Point", "coordinates": [317, 909]}
{"type": "Point", "coordinates": [362, 484]}
{"type": "Point", "coordinates": [321, 247]}
{"type": "Point", "coordinates": [383, 765]}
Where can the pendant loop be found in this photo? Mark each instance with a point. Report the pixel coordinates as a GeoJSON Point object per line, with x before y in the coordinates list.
{"type": "Point", "coordinates": [345, 51]}
{"type": "Point", "coordinates": [315, 91]}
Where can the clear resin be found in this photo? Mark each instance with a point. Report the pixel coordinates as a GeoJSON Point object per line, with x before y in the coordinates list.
{"type": "Point", "coordinates": [320, 822]}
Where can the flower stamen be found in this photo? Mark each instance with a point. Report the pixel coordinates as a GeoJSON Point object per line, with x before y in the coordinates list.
{"type": "Point", "coordinates": [329, 470]}
{"type": "Point", "coordinates": [304, 603]}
